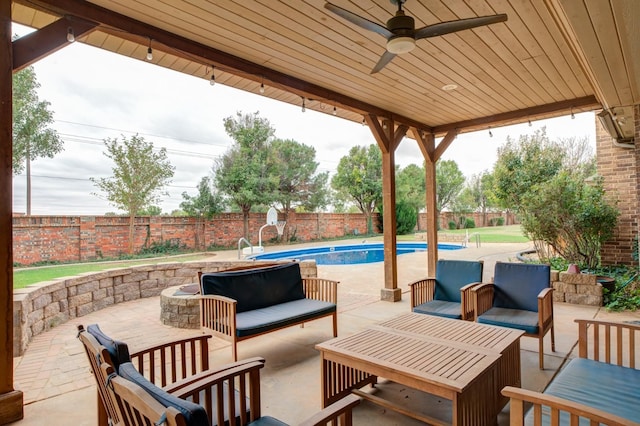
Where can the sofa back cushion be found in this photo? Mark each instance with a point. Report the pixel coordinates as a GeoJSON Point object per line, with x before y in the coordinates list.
{"type": "Point", "coordinates": [256, 288]}
{"type": "Point", "coordinates": [451, 275]}
{"type": "Point", "coordinates": [118, 351]}
{"type": "Point", "coordinates": [194, 414]}
{"type": "Point", "coordinates": [517, 285]}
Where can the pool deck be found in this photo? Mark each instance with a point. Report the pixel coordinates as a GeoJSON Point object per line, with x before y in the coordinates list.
{"type": "Point", "coordinates": [59, 389]}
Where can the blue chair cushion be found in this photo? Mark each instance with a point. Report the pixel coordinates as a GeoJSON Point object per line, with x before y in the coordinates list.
{"type": "Point", "coordinates": [451, 275]}
{"type": "Point", "coordinates": [512, 318]}
{"type": "Point", "coordinates": [118, 351]}
{"type": "Point", "coordinates": [265, 319]}
{"type": "Point", "coordinates": [517, 285]}
{"type": "Point", "coordinates": [440, 308]}
{"type": "Point", "coordinates": [256, 288]}
{"type": "Point", "coordinates": [607, 387]}
{"type": "Point", "coordinates": [194, 414]}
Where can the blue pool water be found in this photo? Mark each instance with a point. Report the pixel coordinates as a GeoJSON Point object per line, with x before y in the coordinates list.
{"type": "Point", "coordinates": [348, 254]}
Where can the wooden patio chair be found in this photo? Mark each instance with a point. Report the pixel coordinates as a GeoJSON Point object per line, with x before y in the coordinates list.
{"type": "Point", "coordinates": [143, 403]}
{"type": "Point", "coordinates": [520, 297]}
{"type": "Point", "coordinates": [448, 294]}
{"type": "Point", "coordinates": [170, 365]}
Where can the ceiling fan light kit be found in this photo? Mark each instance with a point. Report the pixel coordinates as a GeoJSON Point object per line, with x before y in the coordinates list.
{"type": "Point", "coordinates": [401, 32]}
{"type": "Point", "coordinates": [400, 45]}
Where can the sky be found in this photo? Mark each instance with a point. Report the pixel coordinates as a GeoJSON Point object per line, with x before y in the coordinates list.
{"type": "Point", "coordinates": [95, 94]}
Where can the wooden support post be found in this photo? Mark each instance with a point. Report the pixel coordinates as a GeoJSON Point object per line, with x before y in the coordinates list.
{"type": "Point", "coordinates": [11, 401]}
{"type": "Point", "coordinates": [388, 138]}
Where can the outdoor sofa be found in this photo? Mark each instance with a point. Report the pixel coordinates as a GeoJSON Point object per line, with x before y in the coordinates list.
{"type": "Point", "coordinates": [236, 305]}
{"type": "Point", "coordinates": [601, 386]}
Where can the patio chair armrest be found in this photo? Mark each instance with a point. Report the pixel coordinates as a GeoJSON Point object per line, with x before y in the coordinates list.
{"type": "Point", "coordinates": [321, 289]}
{"type": "Point", "coordinates": [616, 342]}
{"type": "Point", "coordinates": [466, 301]}
{"type": "Point", "coordinates": [576, 410]}
{"type": "Point", "coordinates": [218, 314]}
{"type": "Point", "coordinates": [482, 295]}
{"type": "Point", "coordinates": [545, 308]}
{"type": "Point", "coordinates": [171, 361]}
{"type": "Point", "coordinates": [342, 408]}
{"type": "Point", "coordinates": [207, 388]}
{"type": "Point", "coordinates": [422, 291]}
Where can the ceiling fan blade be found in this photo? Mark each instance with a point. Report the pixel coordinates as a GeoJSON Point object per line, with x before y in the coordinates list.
{"type": "Point", "coordinates": [459, 25]}
{"type": "Point", "coordinates": [384, 60]}
{"type": "Point", "coordinates": [358, 20]}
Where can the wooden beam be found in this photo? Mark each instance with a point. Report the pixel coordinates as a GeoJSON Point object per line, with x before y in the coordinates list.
{"type": "Point", "coordinates": [11, 401]}
{"type": "Point", "coordinates": [125, 27]}
{"type": "Point", "coordinates": [444, 144]}
{"type": "Point", "coordinates": [586, 103]}
{"type": "Point", "coordinates": [427, 144]}
{"type": "Point", "coordinates": [47, 40]}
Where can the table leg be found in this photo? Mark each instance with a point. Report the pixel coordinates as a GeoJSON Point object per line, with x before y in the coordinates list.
{"type": "Point", "coordinates": [338, 380]}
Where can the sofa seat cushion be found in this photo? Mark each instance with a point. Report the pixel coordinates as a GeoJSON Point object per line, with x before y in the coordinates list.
{"type": "Point", "coordinates": [607, 387]}
{"type": "Point", "coordinates": [440, 308]}
{"type": "Point", "coordinates": [267, 421]}
{"type": "Point", "coordinates": [511, 318]}
{"type": "Point", "coordinates": [265, 319]}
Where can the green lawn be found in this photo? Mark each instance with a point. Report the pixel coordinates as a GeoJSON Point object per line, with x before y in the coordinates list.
{"type": "Point", "coordinates": [24, 277]}
{"type": "Point", "coordinates": [495, 234]}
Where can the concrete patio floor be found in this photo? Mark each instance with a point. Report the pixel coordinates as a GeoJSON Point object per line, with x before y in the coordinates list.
{"type": "Point", "coordinates": [59, 389]}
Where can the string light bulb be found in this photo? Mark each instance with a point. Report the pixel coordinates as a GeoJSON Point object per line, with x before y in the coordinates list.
{"type": "Point", "coordinates": [71, 37]}
{"type": "Point", "coordinates": [335, 110]}
{"type": "Point", "coordinates": [573, 116]}
{"type": "Point", "coordinates": [530, 123]}
{"type": "Point", "coordinates": [364, 122]}
{"type": "Point", "coordinates": [262, 88]}
{"type": "Point", "coordinates": [304, 108]}
{"type": "Point", "coordinates": [149, 51]}
{"type": "Point", "coordinates": [490, 133]}
{"type": "Point", "coordinates": [212, 81]}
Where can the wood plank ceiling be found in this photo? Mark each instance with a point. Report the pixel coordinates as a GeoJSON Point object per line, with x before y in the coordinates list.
{"type": "Point", "coordinates": [552, 57]}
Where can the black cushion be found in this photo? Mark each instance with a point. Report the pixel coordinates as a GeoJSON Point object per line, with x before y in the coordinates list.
{"type": "Point", "coordinates": [265, 319]}
{"type": "Point", "coordinates": [118, 351]}
{"type": "Point", "coordinates": [256, 288]}
{"type": "Point", "coordinates": [267, 421]}
{"type": "Point", "coordinates": [194, 414]}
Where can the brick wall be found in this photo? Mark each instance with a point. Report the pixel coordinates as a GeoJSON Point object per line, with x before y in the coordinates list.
{"type": "Point", "coordinates": [82, 238]}
{"type": "Point", "coordinates": [620, 168]}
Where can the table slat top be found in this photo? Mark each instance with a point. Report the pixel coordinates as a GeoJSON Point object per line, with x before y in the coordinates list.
{"type": "Point", "coordinates": [450, 366]}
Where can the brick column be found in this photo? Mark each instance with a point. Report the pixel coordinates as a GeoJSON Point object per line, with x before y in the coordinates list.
{"type": "Point", "coordinates": [620, 168]}
{"type": "Point", "coordinates": [87, 238]}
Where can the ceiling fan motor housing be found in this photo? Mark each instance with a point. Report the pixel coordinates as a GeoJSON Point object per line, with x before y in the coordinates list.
{"type": "Point", "coordinates": [401, 24]}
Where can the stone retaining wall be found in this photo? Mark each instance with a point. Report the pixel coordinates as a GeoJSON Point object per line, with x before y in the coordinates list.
{"type": "Point", "coordinates": [579, 289]}
{"type": "Point", "coordinates": [42, 306]}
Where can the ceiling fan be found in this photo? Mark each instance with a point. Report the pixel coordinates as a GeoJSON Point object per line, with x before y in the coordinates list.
{"type": "Point", "coordinates": [401, 32]}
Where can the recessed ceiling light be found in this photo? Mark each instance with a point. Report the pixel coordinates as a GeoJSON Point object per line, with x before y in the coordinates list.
{"type": "Point", "coordinates": [448, 87]}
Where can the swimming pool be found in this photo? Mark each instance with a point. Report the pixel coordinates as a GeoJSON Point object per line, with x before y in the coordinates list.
{"type": "Point", "coordinates": [348, 254]}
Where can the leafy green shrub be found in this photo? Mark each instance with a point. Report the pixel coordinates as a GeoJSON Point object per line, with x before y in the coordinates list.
{"type": "Point", "coordinates": [406, 218]}
{"type": "Point", "coordinates": [453, 224]}
{"type": "Point", "coordinates": [171, 246]}
{"type": "Point", "coordinates": [469, 223]}
{"type": "Point", "coordinates": [496, 221]}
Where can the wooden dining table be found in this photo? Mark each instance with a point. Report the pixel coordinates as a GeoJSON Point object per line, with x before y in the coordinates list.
{"type": "Point", "coordinates": [464, 362]}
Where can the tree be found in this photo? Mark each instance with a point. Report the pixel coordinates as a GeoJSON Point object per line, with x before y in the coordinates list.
{"type": "Point", "coordinates": [449, 183]}
{"type": "Point", "coordinates": [573, 217]}
{"type": "Point", "coordinates": [359, 175]}
{"type": "Point", "coordinates": [411, 188]}
{"type": "Point", "coordinates": [479, 192]}
{"type": "Point", "coordinates": [532, 160]}
{"type": "Point", "coordinates": [32, 137]}
{"type": "Point", "coordinates": [150, 211]}
{"type": "Point", "coordinates": [206, 203]}
{"type": "Point", "coordinates": [298, 184]}
{"type": "Point", "coordinates": [243, 172]}
{"type": "Point", "coordinates": [139, 174]}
